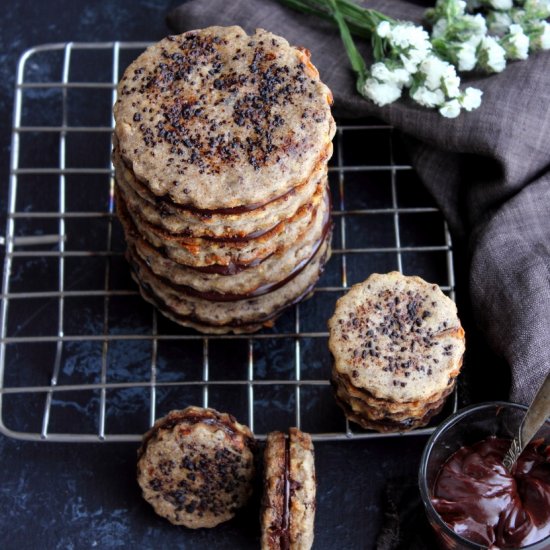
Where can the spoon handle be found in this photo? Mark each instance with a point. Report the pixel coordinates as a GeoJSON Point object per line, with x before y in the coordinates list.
{"type": "Point", "coordinates": [536, 415]}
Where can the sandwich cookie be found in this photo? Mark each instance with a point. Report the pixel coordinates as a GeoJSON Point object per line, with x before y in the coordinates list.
{"type": "Point", "coordinates": [397, 345]}
{"type": "Point", "coordinates": [196, 467]}
{"type": "Point", "coordinates": [220, 150]}
{"type": "Point", "coordinates": [288, 504]}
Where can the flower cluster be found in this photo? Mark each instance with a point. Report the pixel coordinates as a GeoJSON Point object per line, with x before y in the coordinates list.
{"type": "Point", "coordinates": [500, 30]}
{"type": "Point", "coordinates": [410, 62]}
{"type": "Point", "coordinates": [466, 35]}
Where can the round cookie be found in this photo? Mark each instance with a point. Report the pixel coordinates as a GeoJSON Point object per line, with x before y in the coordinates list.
{"type": "Point", "coordinates": [214, 118]}
{"type": "Point", "coordinates": [227, 314]}
{"type": "Point", "coordinates": [398, 337]}
{"type": "Point", "coordinates": [288, 504]}
{"type": "Point", "coordinates": [196, 466]}
{"type": "Point", "coordinates": [397, 345]}
{"type": "Point", "coordinates": [236, 222]}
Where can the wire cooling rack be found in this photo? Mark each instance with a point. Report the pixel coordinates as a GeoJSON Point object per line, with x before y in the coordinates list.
{"type": "Point", "coordinates": [84, 358]}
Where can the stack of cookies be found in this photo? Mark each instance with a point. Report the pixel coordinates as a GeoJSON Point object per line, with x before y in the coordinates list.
{"type": "Point", "coordinates": [397, 345]}
{"type": "Point", "coordinates": [221, 146]}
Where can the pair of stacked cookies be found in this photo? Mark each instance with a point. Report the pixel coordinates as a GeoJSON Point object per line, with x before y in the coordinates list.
{"type": "Point", "coordinates": [221, 146]}
{"type": "Point", "coordinates": [397, 345]}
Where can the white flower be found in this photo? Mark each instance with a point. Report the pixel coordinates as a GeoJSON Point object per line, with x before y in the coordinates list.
{"type": "Point", "coordinates": [412, 58]}
{"type": "Point", "coordinates": [434, 69]}
{"type": "Point", "coordinates": [439, 28]}
{"type": "Point", "coordinates": [476, 24]}
{"type": "Point", "coordinates": [383, 29]}
{"type": "Point", "coordinates": [401, 76]}
{"type": "Point", "coordinates": [516, 43]}
{"type": "Point", "coordinates": [398, 76]}
{"type": "Point", "coordinates": [440, 74]}
{"type": "Point", "coordinates": [460, 7]}
{"type": "Point", "coordinates": [405, 35]}
{"type": "Point", "coordinates": [471, 98]}
{"type": "Point", "coordinates": [450, 109]}
{"type": "Point", "coordinates": [451, 82]}
{"type": "Point", "coordinates": [381, 93]}
{"type": "Point", "coordinates": [428, 98]}
{"type": "Point", "coordinates": [491, 55]}
{"type": "Point", "coordinates": [498, 22]}
{"type": "Point", "coordinates": [466, 55]}
{"type": "Point", "coordinates": [380, 71]}
{"type": "Point", "coordinates": [542, 42]}
{"type": "Point", "coordinates": [501, 4]}
{"type": "Point", "coordinates": [541, 6]}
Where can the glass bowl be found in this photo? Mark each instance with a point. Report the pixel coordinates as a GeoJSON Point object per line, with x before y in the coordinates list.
{"type": "Point", "coordinates": [465, 427]}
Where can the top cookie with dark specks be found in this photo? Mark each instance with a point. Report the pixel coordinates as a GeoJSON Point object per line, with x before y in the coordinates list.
{"type": "Point", "coordinates": [397, 337]}
{"type": "Point", "coordinates": [215, 118]}
{"type": "Point", "coordinates": [196, 467]}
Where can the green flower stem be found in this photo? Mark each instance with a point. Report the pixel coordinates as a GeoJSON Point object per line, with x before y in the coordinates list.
{"type": "Point", "coordinates": [363, 17]}
{"type": "Point", "coordinates": [361, 21]}
{"type": "Point", "coordinates": [351, 19]}
{"type": "Point", "coordinates": [356, 59]}
{"type": "Point", "coordinates": [307, 7]}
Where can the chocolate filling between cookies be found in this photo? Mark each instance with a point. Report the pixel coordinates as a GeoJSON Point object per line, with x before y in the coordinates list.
{"type": "Point", "coordinates": [150, 295]}
{"type": "Point", "coordinates": [260, 291]}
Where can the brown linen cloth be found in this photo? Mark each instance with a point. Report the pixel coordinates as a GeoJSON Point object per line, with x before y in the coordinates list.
{"type": "Point", "coordinates": [489, 170]}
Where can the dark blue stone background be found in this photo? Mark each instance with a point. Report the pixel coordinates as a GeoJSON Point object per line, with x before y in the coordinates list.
{"type": "Point", "coordinates": [85, 495]}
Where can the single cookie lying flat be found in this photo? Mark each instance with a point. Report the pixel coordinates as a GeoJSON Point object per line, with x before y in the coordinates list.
{"type": "Point", "coordinates": [196, 467]}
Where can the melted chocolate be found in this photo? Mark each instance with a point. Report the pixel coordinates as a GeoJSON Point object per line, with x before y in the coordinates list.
{"type": "Point", "coordinates": [188, 417]}
{"type": "Point", "coordinates": [230, 269]}
{"type": "Point", "coordinates": [481, 501]}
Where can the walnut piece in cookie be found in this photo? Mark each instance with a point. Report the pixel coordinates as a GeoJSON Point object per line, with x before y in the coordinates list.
{"type": "Point", "coordinates": [196, 466]}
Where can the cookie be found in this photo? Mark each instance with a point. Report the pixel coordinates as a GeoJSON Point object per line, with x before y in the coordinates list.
{"type": "Point", "coordinates": [227, 314]}
{"type": "Point", "coordinates": [196, 467]}
{"type": "Point", "coordinates": [215, 118]}
{"type": "Point", "coordinates": [227, 223]}
{"type": "Point", "coordinates": [288, 504]}
{"type": "Point", "coordinates": [397, 345]}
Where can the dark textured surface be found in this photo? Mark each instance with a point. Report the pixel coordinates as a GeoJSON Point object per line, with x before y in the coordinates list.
{"type": "Point", "coordinates": [85, 495]}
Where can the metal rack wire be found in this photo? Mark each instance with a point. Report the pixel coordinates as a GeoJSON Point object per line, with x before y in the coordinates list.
{"type": "Point", "coordinates": [64, 368]}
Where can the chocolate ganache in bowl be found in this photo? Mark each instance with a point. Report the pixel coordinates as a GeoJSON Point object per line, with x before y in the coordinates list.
{"type": "Point", "coordinates": [471, 500]}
